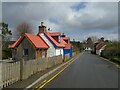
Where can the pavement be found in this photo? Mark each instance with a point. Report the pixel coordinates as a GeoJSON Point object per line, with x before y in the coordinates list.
{"type": "Point", "coordinates": [87, 71]}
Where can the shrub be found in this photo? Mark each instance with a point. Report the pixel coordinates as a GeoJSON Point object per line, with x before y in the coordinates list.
{"type": "Point", "coordinates": [112, 52]}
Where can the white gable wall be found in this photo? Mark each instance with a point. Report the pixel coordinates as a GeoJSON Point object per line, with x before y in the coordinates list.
{"type": "Point", "coordinates": [52, 51]}
{"type": "Point", "coordinates": [59, 51]}
{"type": "Point", "coordinates": [98, 52]}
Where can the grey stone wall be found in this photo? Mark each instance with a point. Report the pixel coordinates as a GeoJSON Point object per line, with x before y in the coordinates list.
{"type": "Point", "coordinates": [25, 45]}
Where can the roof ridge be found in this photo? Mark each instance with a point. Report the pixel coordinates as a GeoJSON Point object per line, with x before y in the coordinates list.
{"type": "Point", "coordinates": [30, 37]}
{"type": "Point", "coordinates": [42, 40]}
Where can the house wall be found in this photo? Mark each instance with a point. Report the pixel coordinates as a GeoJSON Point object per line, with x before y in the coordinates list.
{"type": "Point", "coordinates": [98, 52]}
{"type": "Point", "coordinates": [88, 49]}
{"type": "Point", "coordinates": [51, 50]}
{"type": "Point", "coordinates": [25, 44]}
{"type": "Point", "coordinates": [41, 53]}
{"type": "Point", "coordinates": [68, 51]}
{"type": "Point", "coordinates": [59, 51]}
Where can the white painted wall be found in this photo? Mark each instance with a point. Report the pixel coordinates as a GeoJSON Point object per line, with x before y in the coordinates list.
{"type": "Point", "coordinates": [98, 52]}
{"type": "Point", "coordinates": [51, 51]}
{"type": "Point", "coordinates": [59, 51]}
{"type": "Point", "coordinates": [88, 49]}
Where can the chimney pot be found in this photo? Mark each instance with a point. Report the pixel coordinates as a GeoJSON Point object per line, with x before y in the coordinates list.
{"type": "Point", "coordinates": [102, 39]}
{"type": "Point", "coordinates": [42, 23]}
{"type": "Point", "coordinates": [42, 28]}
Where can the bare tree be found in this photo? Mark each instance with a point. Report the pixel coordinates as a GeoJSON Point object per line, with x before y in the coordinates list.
{"type": "Point", "coordinates": [89, 42]}
{"type": "Point", "coordinates": [24, 27]}
{"type": "Point", "coordinates": [94, 38]}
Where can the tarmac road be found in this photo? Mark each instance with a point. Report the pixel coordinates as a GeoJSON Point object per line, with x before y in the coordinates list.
{"type": "Point", "coordinates": [87, 71]}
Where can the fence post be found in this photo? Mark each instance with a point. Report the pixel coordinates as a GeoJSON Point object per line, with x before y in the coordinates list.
{"type": "Point", "coordinates": [1, 83]}
{"type": "Point", "coordinates": [21, 69]}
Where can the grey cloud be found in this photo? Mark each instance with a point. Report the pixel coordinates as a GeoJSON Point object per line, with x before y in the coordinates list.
{"type": "Point", "coordinates": [99, 16]}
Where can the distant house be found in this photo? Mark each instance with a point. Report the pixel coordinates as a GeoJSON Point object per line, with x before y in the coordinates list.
{"type": "Point", "coordinates": [89, 45]}
{"type": "Point", "coordinates": [29, 46]}
{"type": "Point", "coordinates": [88, 48]}
{"type": "Point", "coordinates": [100, 46]}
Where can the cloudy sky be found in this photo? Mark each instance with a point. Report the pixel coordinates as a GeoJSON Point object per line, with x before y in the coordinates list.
{"type": "Point", "coordinates": [78, 20]}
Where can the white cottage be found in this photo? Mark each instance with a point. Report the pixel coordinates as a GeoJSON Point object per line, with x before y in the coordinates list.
{"type": "Point", "coordinates": [100, 46]}
{"type": "Point", "coordinates": [53, 39]}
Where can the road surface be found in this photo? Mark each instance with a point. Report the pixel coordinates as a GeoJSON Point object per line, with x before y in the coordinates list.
{"type": "Point", "coordinates": [87, 71]}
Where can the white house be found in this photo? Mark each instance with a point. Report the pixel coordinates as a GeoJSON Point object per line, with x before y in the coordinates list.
{"type": "Point", "coordinates": [98, 52]}
{"type": "Point", "coordinates": [53, 39]}
{"type": "Point", "coordinates": [100, 46]}
{"type": "Point", "coordinates": [55, 48]}
{"type": "Point", "coordinates": [88, 49]}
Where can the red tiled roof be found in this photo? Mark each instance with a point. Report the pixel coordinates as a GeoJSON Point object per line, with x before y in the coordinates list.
{"type": "Point", "coordinates": [66, 38]}
{"type": "Point", "coordinates": [16, 43]}
{"type": "Point", "coordinates": [49, 35]}
{"type": "Point", "coordinates": [54, 33]}
{"type": "Point", "coordinates": [62, 41]}
{"type": "Point", "coordinates": [67, 46]}
{"type": "Point", "coordinates": [37, 41]}
{"type": "Point", "coordinates": [100, 45]}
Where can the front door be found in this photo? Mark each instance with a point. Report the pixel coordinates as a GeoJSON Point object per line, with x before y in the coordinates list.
{"type": "Point", "coordinates": [43, 53]}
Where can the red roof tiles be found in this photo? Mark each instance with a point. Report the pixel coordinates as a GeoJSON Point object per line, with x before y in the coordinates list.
{"type": "Point", "coordinates": [16, 42]}
{"type": "Point", "coordinates": [100, 45]}
{"type": "Point", "coordinates": [54, 33]}
{"type": "Point", "coordinates": [67, 46]}
{"type": "Point", "coordinates": [49, 35]}
{"type": "Point", "coordinates": [37, 41]}
{"type": "Point", "coordinates": [66, 38]}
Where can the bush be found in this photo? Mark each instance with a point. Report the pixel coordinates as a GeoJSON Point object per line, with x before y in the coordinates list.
{"type": "Point", "coordinates": [112, 52]}
{"type": "Point", "coordinates": [6, 52]}
{"type": "Point", "coordinates": [117, 60]}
